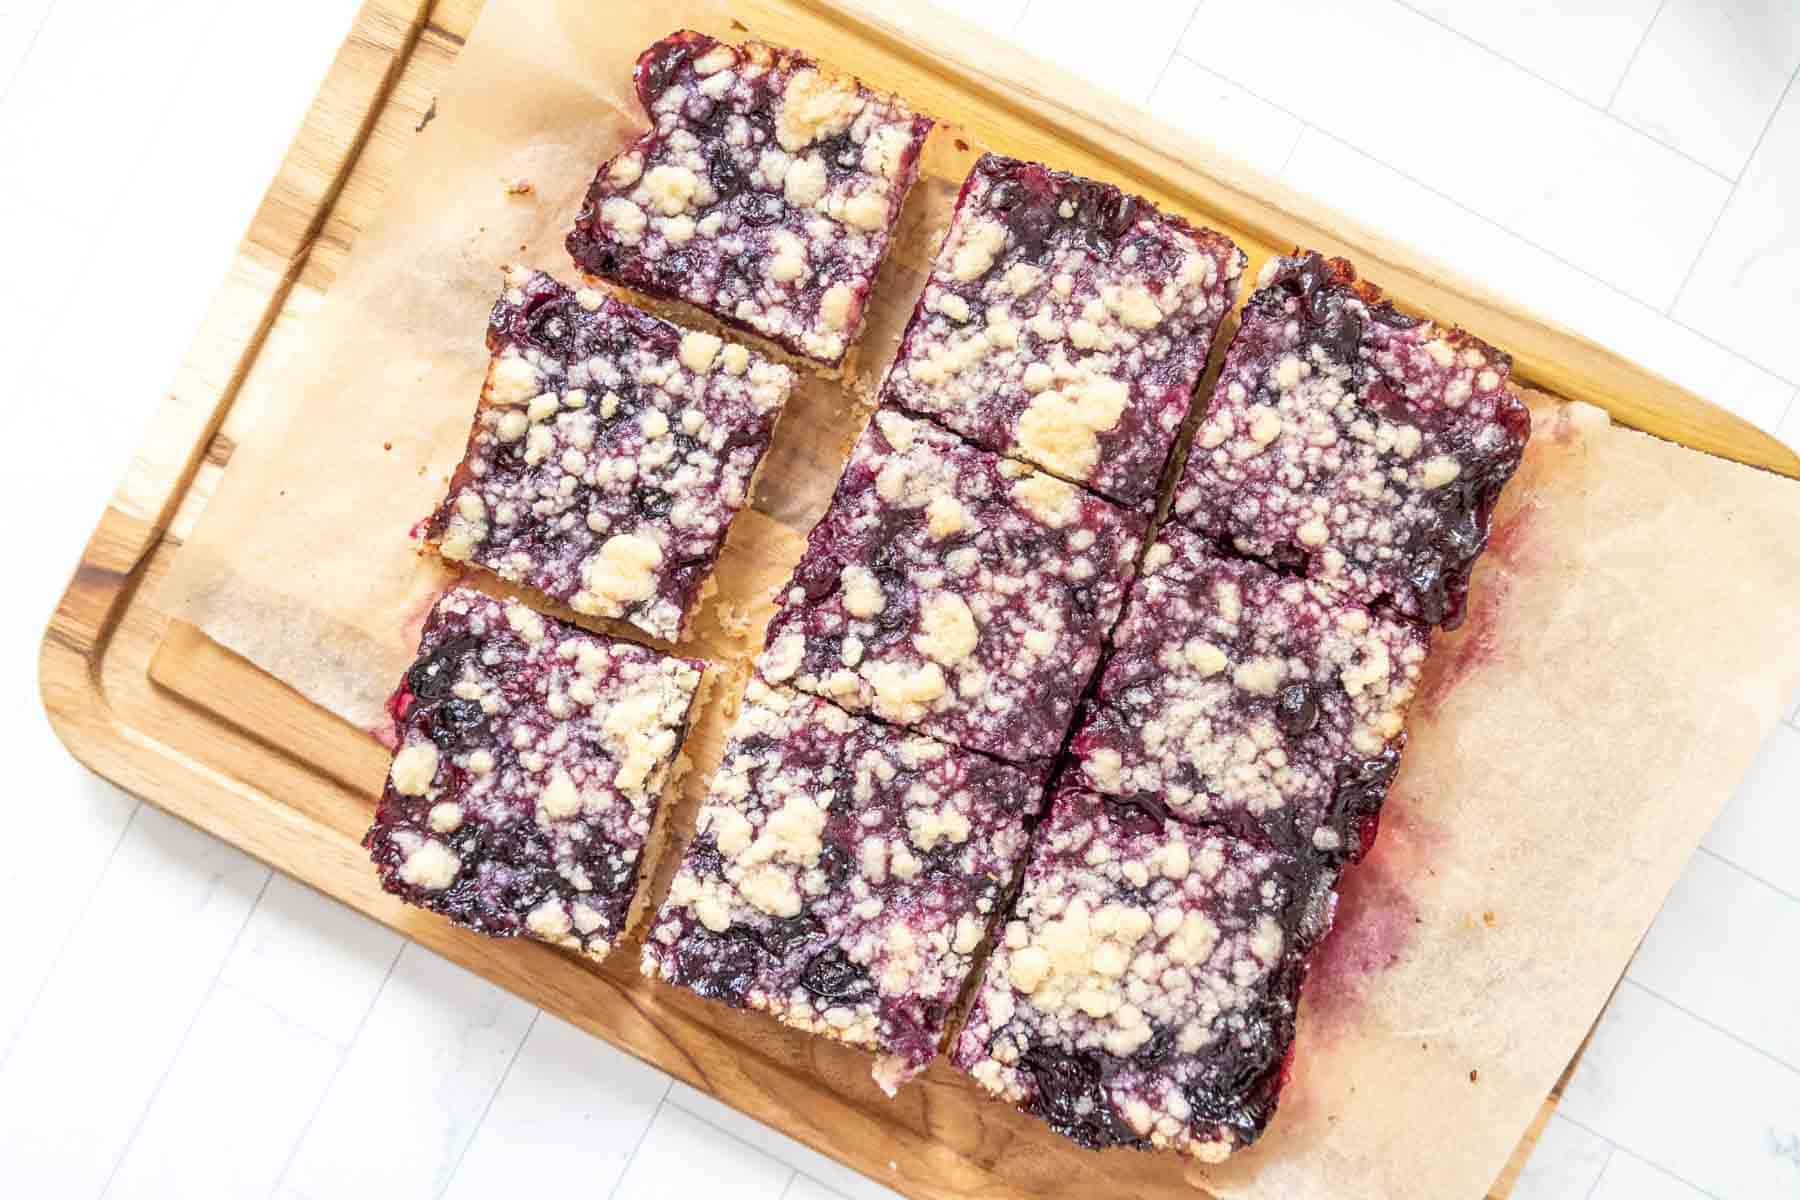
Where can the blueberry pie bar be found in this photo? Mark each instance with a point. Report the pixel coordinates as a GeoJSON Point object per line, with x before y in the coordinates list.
{"type": "Point", "coordinates": [1270, 704]}
{"type": "Point", "coordinates": [766, 194]}
{"type": "Point", "coordinates": [842, 876]}
{"type": "Point", "coordinates": [609, 455]}
{"type": "Point", "coordinates": [954, 591]}
{"type": "Point", "coordinates": [1067, 323]}
{"type": "Point", "coordinates": [1355, 443]}
{"type": "Point", "coordinates": [531, 760]}
{"type": "Point", "coordinates": [1143, 991]}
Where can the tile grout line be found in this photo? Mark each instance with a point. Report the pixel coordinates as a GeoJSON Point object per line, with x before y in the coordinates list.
{"type": "Point", "coordinates": [1617, 1147]}
{"type": "Point", "coordinates": [1637, 50]}
{"type": "Point", "coordinates": [475, 1130]}
{"type": "Point", "coordinates": [1768, 124]}
{"type": "Point", "coordinates": [1601, 110]}
{"type": "Point", "coordinates": [643, 1135]}
{"type": "Point", "coordinates": [62, 951]}
{"type": "Point", "coordinates": [1612, 1152]}
{"type": "Point", "coordinates": [187, 1035]}
{"type": "Point", "coordinates": [744, 1142]}
{"type": "Point", "coordinates": [1553, 255]}
{"type": "Point", "coordinates": [1714, 1026]}
{"type": "Point", "coordinates": [1703, 848]}
{"type": "Point", "coordinates": [343, 1057]}
{"type": "Point", "coordinates": [1187, 27]}
{"type": "Point", "coordinates": [37, 32]}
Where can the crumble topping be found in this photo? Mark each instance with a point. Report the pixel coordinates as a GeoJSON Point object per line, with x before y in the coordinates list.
{"type": "Point", "coordinates": [609, 455]}
{"type": "Point", "coordinates": [842, 876]}
{"type": "Point", "coordinates": [532, 757]}
{"type": "Point", "coordinates": [1065, 322]}
{"type": "Point", "coordinates": [1349, 440]}
{"type": "Point", "coordinates": [766, 194]}
{"type": "Point", "coordinates": [1143, 990]}
{"type": "Point", "coordinates": [953, 590]}
{"type": "Point", "coordinates": [1265, 703]}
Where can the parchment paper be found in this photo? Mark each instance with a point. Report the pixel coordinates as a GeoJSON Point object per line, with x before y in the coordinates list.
{"type": "Point", "coordinates": [1634, 630]}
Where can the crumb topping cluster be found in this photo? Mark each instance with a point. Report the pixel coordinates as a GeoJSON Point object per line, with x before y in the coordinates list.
{"type": "Point", "coordinates": [842, 876]}
{"type": "Point", "coordinates": [1065, 322]}
{"type": "Point", "coordinates": [1143, 990]}
{"type": "Point", "coordinates": [766, 194]}
{"type": "Point", "coordinates": [955, 591]}
{"type": "Point", "coordinates": [609, 455]}
{"type": "Point", "coordinates": [531, 760]}
{"type": "Point", "coordinates": [1352, 441]}
{"type": "Point", "coordinates": [1265, 703]}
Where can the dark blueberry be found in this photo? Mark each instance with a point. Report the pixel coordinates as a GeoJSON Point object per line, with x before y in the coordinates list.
{"type": "Point", "coordinates": [759, 208]}
{"type": "Point", "coordinates": [652, 503]}
{"type": "Point", "coordinates": [1392, 317]}
{"type": "Point", "coordinates": [1297, 709]}
{"type": "Point", "coordinates": [782, 937]}
{"type": "Point", "coordinates": [432, 677]}
{"type": "Point", "coordinates": [1361, 786]}
{"type": "Point", "coordinates": [832, 858]}
{"type": "Point", "coordinates": [1157, 1048]}
{"type": "Point", "coordinates": [1235, 1086]}
{"type": "Point", "coordinates": [548, 325]}
{"type": "Point", "coordinates": [659, 65]}
{"type": "Point", "coordinates": [1004, 195]}
{"type": "Point", "coordinates": [722, 169]}
{"type": "Point", "coordinates": [830, 975]}
{"type": "Point", "coordinates": [457, 724]}
{"type": "Point", "coordinates": [1138, 813]}
{"type": "Point", "coordinates": [703, 857]}
{"type": "Point", "coordinates": [1340, 334]}
{"type": "Point", "coordinates": [1119, 214]}
{"type": "Point", "coordinates": [719, 966]}
{"type": "Point", "coordinates": [1071, 1097]}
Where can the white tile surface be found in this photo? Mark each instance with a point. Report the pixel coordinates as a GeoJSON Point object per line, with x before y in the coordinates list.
{"type": "Point", "coordinates": [421, 1071]}
{"type": "Point", "coordinates": [1112, 53]}
{"type": "Point", "coordinates": [1690, 1099]}
{"type": "Point", "coordinates": [272, 1070]}
{"type": "Point", "coordinates": [1723, 949]}
{"type": "Point", "coordinates": [551, 1121]}
{"type": "Point", "coordinates": [1221, 113]}
{"type": "Point", "coordinates": [1565, 1165]}
{"type": "Point", "coordinates": [135, 139]}
{"type": "Point", "coordinates": [1558, 172]}
{"type": "Point", "coordinates": [143, 958]}
{"type": "Point", "coordinates": [1479, 249]}
{"type": "Point", "coordinates": [1629, 1177]}
{"type": "Point", "coordinates": [1709, 76]}
{"type": "Point", "coordinates": [684, 1156]}
{"type": "Point", "coordinates": [308, 957]}
{"type": "Point", "coordinates": [1582, 46]}
{"type": "Point", "coordinates": [1745, 290]}
{"type": "Point", "coordinates": [1761, 826]}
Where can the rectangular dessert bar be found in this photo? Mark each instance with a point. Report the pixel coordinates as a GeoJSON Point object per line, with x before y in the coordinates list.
{"type": "Point", "coordinates": [1269, 704]}
{"type": "Point", "coordinates": [609, 455]}
{"type": "Point", "coordinates": [531, 761]}
{"type": "Point", "coordinates": [1067, 323]}
{"type": "Point", "coordinates": [1143, 991]}
{"type": "Point", "coordinates": [842, 876]}
{"type": "Point", "coordinates": [766, 194]}
{"type": "Point", "coordinates": [955, 591]}
{"type": "Point", "coordinates": [1353, 442]}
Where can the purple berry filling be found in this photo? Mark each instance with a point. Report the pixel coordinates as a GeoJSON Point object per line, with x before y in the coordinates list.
{"type": "Point", "coordinates": [1268, 704]}
{"type": "Point", "coordinates": [1355, 443]}
{"type": "Point", "coordinates": [609, 455]}
{"type": "Point", "coordinates": [1067, 323]}
{"type": "Point", "coordinates": [766, 194]}
{"type": "Point", "coordinates": [955, 591]}
{"type": "Point", "coordinates": [1143, 992]}
{"type": "Point", "coordinates": [531, 761]}
{"type": "Point", "coordinates": [842, 876]}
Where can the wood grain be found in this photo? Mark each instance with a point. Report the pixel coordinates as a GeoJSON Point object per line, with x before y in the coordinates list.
{"type": "Point", "coordinates": [160, 709]}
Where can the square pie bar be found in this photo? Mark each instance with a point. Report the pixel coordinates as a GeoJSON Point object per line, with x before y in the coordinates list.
{"type": "Point", "coordinates": [955, 591]}
{"type": "Point", "coordinates": [1353, 442]}
{"type": "Point", "coordinates": [766, 194]}
{"type": "Point", "coordinates": [609, 455]}
{"type": "Point", "coordinates": [1143, 992]}
{"type": "Point", "coordinates": [1067, 323]}
{"type": "Point", "coordinates": [842, 876]}
{"type": "Point", "coordinates": [531, 762]}
{"type": "Point", "coordinates": [1266, 703]}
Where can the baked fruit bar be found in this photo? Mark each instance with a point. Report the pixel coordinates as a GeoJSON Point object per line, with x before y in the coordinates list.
{"type": "Point", "coordinates": [766, 194]}
{"type": "Point", "coordinates": [532, 757]}
{"type": "Point", "coordinates": [610, 452]}
{"type": "Point", "coordinates": [1067, 323]}
{"type": "Point", "coordinates": [955, 591]}
{"type": "Point", "coordinates": [1354, 443]}
{"type": "Point", "coordinates": [1143, 991]}
{"type": "Point", "coordinates": [1266, 703]}
{"type": "Point", "coordinates": [842, 876]}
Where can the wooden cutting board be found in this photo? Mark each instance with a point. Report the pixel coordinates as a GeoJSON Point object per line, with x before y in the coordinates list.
{"type": "Point", "coordinates": [156, 706]}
